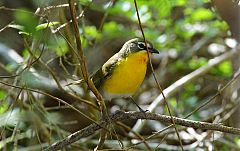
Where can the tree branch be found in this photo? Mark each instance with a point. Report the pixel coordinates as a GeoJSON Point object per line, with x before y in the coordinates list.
{"type": "Point", "coordinates": [123, 116]}
{"type": "Point", "coordinates": [184, 80]}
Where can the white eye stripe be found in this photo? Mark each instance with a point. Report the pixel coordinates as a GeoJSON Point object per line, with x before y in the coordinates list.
{"type": "Point", "coordinates": [141, 43]}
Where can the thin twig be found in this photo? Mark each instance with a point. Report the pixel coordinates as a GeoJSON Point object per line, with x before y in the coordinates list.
{"type": "Point", "coordinates": [70, 21]}
{"type": "Point", "coordinates": [82, 60]}
{"type": "Point", "coordinates": [155, 77]}
{"type": "Point", "coordinates": [85, 74]}
{"type": "Point", "coordinates": [9, 56]}
{"type": "Point", "coordinates": [137, 135]}
{"type": "Point", "coordinates": [49, 95]}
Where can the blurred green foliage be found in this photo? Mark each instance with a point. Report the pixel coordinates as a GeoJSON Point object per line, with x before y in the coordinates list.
{"type": "Point", "coordinates": [59, 46]}
{"type": "Point", "coordinates": [3, 102]}
{"type": "Point", "coordinates": [26, 19]}
{"type": "Point", "coordinates": [171, 25]}
{"type": "Point", "coordinates": [224, 69]}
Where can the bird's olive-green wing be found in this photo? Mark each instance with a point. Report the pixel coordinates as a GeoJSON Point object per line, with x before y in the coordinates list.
{"type": "Point", "coordinates": [105, 71]}
{"type": "Point", "coordinates": [98, 78]}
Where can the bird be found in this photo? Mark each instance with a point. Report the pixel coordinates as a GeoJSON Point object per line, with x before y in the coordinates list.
{"type": "Point", "coordinates": [124, 72]}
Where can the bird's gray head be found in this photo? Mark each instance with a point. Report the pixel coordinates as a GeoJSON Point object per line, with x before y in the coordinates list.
{"type": "Point", "coordinates": [136, 45]}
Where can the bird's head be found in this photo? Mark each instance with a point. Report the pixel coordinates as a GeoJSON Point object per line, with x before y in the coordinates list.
{"type": "Point", "coordinates": [138, 45]}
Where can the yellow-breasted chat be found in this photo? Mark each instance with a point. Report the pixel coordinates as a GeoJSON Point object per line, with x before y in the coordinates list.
{"type": "Point", "coordinates": [125, 71]}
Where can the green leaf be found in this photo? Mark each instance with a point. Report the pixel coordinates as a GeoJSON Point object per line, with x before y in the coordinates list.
{"type": "Point", "coordinates": [46, 25]}
{"type": "Point", "coordinates": [237, 141]}
{"type": "Point", "coordinates": [25, 53]}
{"type": "Point", "coordinates": [173, 102]}
{"type": "Point", "coordinates": [180, 2]}
{"type": "Point", "coordinates": [3, 94]}
{"type": "Point", "coordinates": [3, 107]}
{"type": "Point", "coordinates": [27, 19]}
{"type": "Point", "coordinates": [226, 68]}
{"type": "Point", "coordinates": [164, 7]}
{"type": "Point", "coordinates": [62, 49]}
{"type": "Point", "coordinates": [3, 102]}
{"type": "Point", "coordinates": [201, 14]}
{"type": "Point", "coordinates": [197, 62]}
{"type": "Point", "coordinates": [59, 46]}
{"type": "Point", "coordinates": [92, 32]}
{"type": "Point", "coordinates": [112, 29]}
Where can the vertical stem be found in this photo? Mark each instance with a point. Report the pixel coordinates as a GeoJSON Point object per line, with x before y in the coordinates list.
{"type": "Point", "coordinates": [155, 78]}
{"type": "Point", "coordinates": [85, 74]}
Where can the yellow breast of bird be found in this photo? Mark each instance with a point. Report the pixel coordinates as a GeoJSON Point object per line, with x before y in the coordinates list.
{"type": "Point", "coordinates": [127, 75]}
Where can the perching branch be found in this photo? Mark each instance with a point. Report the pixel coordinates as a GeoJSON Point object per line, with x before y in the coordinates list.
{"type": "Point", "coordinates": [124, 116]}
{"type": "Point", "coordinates": [184, 80]}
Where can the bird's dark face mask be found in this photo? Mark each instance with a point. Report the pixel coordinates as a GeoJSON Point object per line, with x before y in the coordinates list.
{"type": "Point", "coordinates": [141, 46]}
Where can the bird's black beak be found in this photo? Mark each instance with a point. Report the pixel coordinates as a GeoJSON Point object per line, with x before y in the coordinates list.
{"type": "Point", "coordinates": [152, 50]}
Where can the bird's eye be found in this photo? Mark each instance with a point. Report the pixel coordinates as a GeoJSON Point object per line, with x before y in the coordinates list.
{"type": "Point", "coordinates": [141, 46]}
